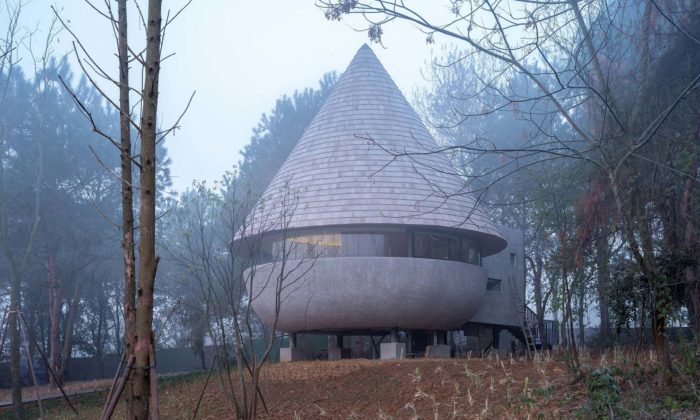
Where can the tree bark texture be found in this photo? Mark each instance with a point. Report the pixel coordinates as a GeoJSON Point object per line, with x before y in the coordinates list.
{"type": "Point", "coordinates": [54, 316]}
{"type": "Point", "coordinates": [603, 281]}
{"type": "Point", "coordinates": [15, 298]}
{"type": "Point", "coordinates": [147, 223]}
{"type": "Point", "coordinates": [540, 298]}
{"type": "Point", "coordinates": [127, 195]}
{"type": "Point", "coordinates": [68, 330]}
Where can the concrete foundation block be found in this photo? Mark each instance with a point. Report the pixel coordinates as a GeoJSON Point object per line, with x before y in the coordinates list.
{"type": "Point", "coordinates": [390, 351]}
{"type": "Point", "coordinates": [336, 353]}
{"type": "Point", "coordinates": [438, 351]}
{"type": "Point", "coordinates": [291, 354]}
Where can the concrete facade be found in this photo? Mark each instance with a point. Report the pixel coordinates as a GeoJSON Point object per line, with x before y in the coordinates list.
{"type": "Point", "coordinates": [508, 266]}
{"type": "Point", "coordinates": [337, 353]}
{"type": "Point", "coordinates": [438, 351]}
{"type": "Point", "coordinates": [291, 354]}
{"type": "Point", "coordinates": [392, 351]}
{"type": "Point", "coordinates": [372, 293]}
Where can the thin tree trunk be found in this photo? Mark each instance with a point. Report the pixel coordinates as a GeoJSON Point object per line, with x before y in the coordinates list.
{"type": "Point", "coordinates": [71, 317]}
{"type": "Point", "coordinates": [148, 260]}
{"type": "Point", "coordinates": [581, 310]}
{"type": "Point", "coordinates": [690, 243]}
{"type": "Point", "coordinates": [15, 298]}
{"type": "Point", "coordinates": [661, 295]}
{"type": "Point", "coordinates": [603, 281]}
{"type": "Point", "coordinates": [644, 257]}
{"type": "Point", "coordinates": [569, 325]}
{"type": "Point", "coordinates": [54, 317]}
{"type": "Point", "coordinates": [127, 197]}
{"type": "Point", "coordinates": [101, 334]}
{"type": "Point", "coordinates": [540, 302]}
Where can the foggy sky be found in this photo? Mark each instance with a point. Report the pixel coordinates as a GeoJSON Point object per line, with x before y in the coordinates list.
{"type": "Point", "coordinates": [239, 56]}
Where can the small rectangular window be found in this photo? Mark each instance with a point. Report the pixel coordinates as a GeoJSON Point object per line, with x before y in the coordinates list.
{"type": "Point", "coordinates": [493, 285]}
{"type": "Point", "coordinates": [513, 261]}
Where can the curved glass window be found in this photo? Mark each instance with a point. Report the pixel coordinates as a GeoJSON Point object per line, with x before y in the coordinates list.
{"type": "Point", "coordinates": [436, 246]}
{"type": "Point", "coordinates": [346, 244]}
{"type": "Point", "coordinates": [445, 247]}
{"type": "Point", "coordinates": [329, 243]}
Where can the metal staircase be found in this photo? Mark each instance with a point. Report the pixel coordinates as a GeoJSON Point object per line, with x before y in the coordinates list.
{"type": "Point", "coordinates": [528, 338]}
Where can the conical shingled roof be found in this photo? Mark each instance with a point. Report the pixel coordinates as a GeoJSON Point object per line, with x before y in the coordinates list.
{"type": "Point", "coordinates": [343, 170]}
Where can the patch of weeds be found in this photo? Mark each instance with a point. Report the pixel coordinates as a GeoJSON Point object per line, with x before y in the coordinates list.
{"type": "Point", "coordinates": [618, 371]}
{"type": "Point", "coordinates": [687, 357]}
{"type": "Point", "coordinates": [456, 412]}
{"type": "Point", "coordinates": [603, 395]}
{"type": "Point", "coordinates": [584, 354]}
{"type": "Point", "coordinates": [469, 397]}
{"type": "Point", "coordinates": [636, 373]}
{"type": "Point", "coordinates": [686, 368]}
{"type": "Point", "coordinates": [321, 411]}
{"type": "Point", "coordinates": [527, 393]}
{"type": "Point", "coordinates": [546, 392]}
{"type": "Point", "coordinates": [384, 416]}
{"type": "Point", "coordinates": [485, 410]}
{"type": "Point", "coordinates": [412, 407]}
{"type": "Point", "coordinates": [619, 355]}
{"type": "Point", "coordinates": [416, 376]}
{"type": "Point", "coordinates": [474, 378]}
{"type": "Point", "coordinates": [541, 362]}
{"type": "Point", "coordinates": [672, 405]}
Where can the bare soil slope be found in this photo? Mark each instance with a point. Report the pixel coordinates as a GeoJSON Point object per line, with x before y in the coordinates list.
{"type": "Point", "coordinates": [406, 389]}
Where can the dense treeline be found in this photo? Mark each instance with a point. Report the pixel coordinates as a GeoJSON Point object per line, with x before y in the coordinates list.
{"type": "Point", "coordinates": [58, 199]}
{"type": "Point", "coordinates": [60, 205]}
{"type": "Point", "coordinates": [60, 214]}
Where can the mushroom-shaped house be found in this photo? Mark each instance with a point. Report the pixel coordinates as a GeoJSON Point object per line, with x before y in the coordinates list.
{"type": "Point", "coordinates": [374, 228]}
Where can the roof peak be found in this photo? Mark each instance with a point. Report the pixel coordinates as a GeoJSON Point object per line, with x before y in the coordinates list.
{"type": "Point", "coordinates": [364, 51]}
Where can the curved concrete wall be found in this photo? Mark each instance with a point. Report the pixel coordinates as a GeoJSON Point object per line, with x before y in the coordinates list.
{"type": "Point", "coordinates": [362, 293]}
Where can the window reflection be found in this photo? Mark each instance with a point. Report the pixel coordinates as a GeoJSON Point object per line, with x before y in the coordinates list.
{"type": "Point", "coordinates": [328, 244]}
{"type": "Point", "coordinates": [353, 244]}
{"type": "Point", "coordinates": [445, 247]}
{"type": "Point", "coordinates": [436, 246]}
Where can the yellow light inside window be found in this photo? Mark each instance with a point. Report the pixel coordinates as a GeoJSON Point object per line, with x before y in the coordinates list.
{"type": "Point", "coordinates": [324, 240]}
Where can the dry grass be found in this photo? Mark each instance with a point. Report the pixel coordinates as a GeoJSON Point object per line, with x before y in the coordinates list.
{"type": "Point", "coordinates": [489, 387]}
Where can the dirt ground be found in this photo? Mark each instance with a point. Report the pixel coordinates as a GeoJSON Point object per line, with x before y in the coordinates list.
{"type": "Point", "coordinates": [406, 389]}
{"type": "Point", "coordinates": [71, 387]}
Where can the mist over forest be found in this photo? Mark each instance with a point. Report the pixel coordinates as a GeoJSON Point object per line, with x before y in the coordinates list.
{"type": "Point", "coordinates": [576, 123]}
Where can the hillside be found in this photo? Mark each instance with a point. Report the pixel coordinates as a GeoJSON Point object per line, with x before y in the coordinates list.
{"type": "Point", "coordinates": [420, 388]}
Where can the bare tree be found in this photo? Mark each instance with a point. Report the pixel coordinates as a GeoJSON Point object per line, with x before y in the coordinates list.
{"type": "Point", "coordinates": [595, 84]}
{"type": "Point", "coordinates": [148, 261]}
{"type": "Point", "coordinates": [138, 294]}
{"type": "Point", "coordinates": [228, 278]}
{"type": "Point", "coordinates": [16, 257]}
{"type": "Point", "coordinates": [129, 303]}
{"type": "Point", "coordinates": [285, 276]}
